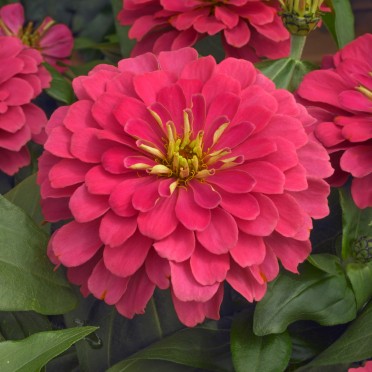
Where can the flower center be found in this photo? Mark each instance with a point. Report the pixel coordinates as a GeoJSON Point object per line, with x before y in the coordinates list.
{"type": "Point", "coordinates": [184, 156]}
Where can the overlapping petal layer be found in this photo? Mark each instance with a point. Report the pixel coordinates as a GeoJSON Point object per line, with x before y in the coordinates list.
{"type": "Point", "coordinates": [22, 77]}
{"type": "Point", "coordinates": [179, 172]}
{"type": "Point", "coordinates": [340, 97]}
{"type": "Point", "coordinates": [249, 29]}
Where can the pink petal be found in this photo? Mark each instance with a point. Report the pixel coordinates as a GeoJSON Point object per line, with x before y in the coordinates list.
{"type": "Point", "coordinates": [113, 159]}
{"type": "Point", "coordinates": [13, 119]}
{"type": "Point", "coordinates": [86, 146]}
{"type": "Point", "coordinates": [355, 129]}
{"type": "Point", "coordinates": [158, 270]}
{"type": "Point", "coordinates": [243, 282]}
{"type": "Point", "coordinates": [239, 35]}
{"type": "Point", "coordinates": [121, 197]}
{"type": "Point", "coordinates": [201, 69]}
{"type": "Point", "coordinates": [250, 250]}
{"type": "Point", "coordinates": [13, 16]}
{"type": "Point", "coordinates": [227, 16]}
{"type": "Point", "coordinates": [138, 65]}
{"type": "Point", "coordinates": [68, 172]}
{"type": "Point", "coordinates": [174, 62]}
{"type": "Point", "coordinates": [291, 216]}
{"type": "Point", "coordinates": [268, 178]}
{"type": "Point", "coordinates": [295, 178]}
{"type": "Point", "coordinates": [100, 182]}
{"type": "Point", "coordinates": [146, 195]}
{"type": "Point", "coordinates": [105, 285]}
{"type": "Point", "coordinates": [357, 160]}
{"type": "Point", "coordinates": [178, 246]}
{"type": "Point", "coordinates": [204, 195]}
{"type": "Point", "coordinates": [189, 213]}
{"type": "Point", "coordinates": [58, 142]}
{"type": "Point", "coordinates": [244, 206]}
{"type": "Point", "coordinates": [208, 268]}
{"type": "Point", "coordinates": [15, 141]}
{"type": "Point", "coordinates": [160, 221]}
{"type": "Point", "coordinates": [186, 288]}
{"type": "Point", "coordinates": [125, 259]}
{"type": "Point", "coordinates": [243, 71]}
{"type": "Point", "coordinates": [75, 243]}
{"type": "Point", "coordinates": [270, 266]}
{"type": "Point", "coordinates": [290, 252]}
{"type": "Point", "coordinates": [221, 234]}
{"type": "Point", "coordinates": [86, 207]}
{"type": "Point", "coordinates": [361, 191]}
{"type": "Point", "coordinates": [115, 230]}
{"type": "Point", "coordinates": [354, 100]}
{"type": "Point", "coordinates": [233, 181]}
{"type": "Point", "coordinates": [79, 116]}
{"type": "Point", "coordinates": [314, 200]}
{"type": "Point", "coordinates": [138, 293]}
{"type": "Point", "coordinates": [224, 104]}
{"type": "Point", "coordinates": [266, 221]}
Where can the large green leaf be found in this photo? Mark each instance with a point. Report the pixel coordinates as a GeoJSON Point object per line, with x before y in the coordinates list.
{"type": "Point", "coordinates": [323, 297]}
{"type": "Point", "coordinates": [255, 353]}
{"type": "Point", "coordinates": [28, 281]}
{"type": "Point", "coordinates": [32, 353]}
{"type": "Point", "coordinates": [197, 347]}
{"type": "Point", "coordinates": [286, 73]}
{"type": "Point", "coordinates": [354, 345]}
{"type": "Point", "coordinates": [357, 231]}
{"type": "Point", "coordinates": [26, 195]}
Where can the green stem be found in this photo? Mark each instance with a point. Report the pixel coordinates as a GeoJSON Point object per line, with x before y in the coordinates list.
{"type": "Point", "coordinates": [297, 46]}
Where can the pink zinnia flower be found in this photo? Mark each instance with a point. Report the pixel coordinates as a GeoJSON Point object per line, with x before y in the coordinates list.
{"type": "Point", "coordinates": [342, 94]}
{"type": "Point", "coordinates": [249, 29]}
{"type": "Point", "coordinates": [22, 77]}
{"type": "Point", "coordinates": [54, 41]}
{"type": "Point", "coordinates": [179, 172]}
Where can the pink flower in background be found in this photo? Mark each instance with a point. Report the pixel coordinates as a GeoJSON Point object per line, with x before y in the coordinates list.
{"type": "Point", "coordinates": [249, 29]}
{"type": "Point", "coordinates": [54, 41]}
{"type": "Point", "coordinates": [366, 368]}
{"type": "Point", "coordinates": [180, 173]}
{"type": "Point", "coordinates": [342, 94]}
{"type": "Point", "coordinates": [22, 77]}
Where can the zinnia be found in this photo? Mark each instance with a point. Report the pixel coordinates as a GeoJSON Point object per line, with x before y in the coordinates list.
{"type": "Point", "coordinates": [342, 94]}
{"type": "Point", "coordinates": [249, 29]}
{"type": "Point", "coordinates": [179, 172]}
{"type": "Point", "coordinates": [22, 77]}
{"type": "Point", "coordinates": [54, 41]}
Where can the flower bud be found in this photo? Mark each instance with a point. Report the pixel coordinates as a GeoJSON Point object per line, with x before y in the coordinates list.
{"type": "Point", "coordinates": [300, 17]}
{"type": "Point", "coordinates": [362, 249]}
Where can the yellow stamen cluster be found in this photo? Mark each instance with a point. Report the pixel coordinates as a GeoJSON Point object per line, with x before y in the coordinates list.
{"type": "Point", "coordinates": [183, 156]}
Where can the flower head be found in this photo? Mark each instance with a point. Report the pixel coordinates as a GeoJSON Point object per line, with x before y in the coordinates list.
{"type": "Point", "coordinates": [249, 29]}
{"type": "Point", "coordinates": [342, 94]}
{"type": "Point", "coordinates": [301, 16]}
{"type": "Point", "coordinates": [54, 41]}
{"type": "Point", "coordinates": [22, 77]}
{"type": "Point", "coordinates": [179, 172]}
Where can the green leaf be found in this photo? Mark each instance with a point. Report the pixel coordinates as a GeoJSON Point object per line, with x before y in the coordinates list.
{"type": "Point", "coordinates": [286, 73]}
{"type": "Point", "coordinates": [356, 228]}
{"type": "Point", "coordinates": [126, 44]}
{"type": "Point", "coordinates": [26, 195]}
{"type": "Point", "coordinates": [61, 88]}
{"type": "Point", "coordinates": [32, 353]}
{"type": "Point", "coordinates": [257, 351]}
{"type": "Point", "coordinates": [28, 281]}
{"type": "Point", "coordinates": [354, 344]}
{"type": "Point", "coordinates": [344, 22]}
{"type": "Point", "coordinates": [197, 347]}
{"type": "Point", "coordinates": [313, 295]}
{"type": "Point", "coordinates": [20, 324]}
{"type": "Point", "coordinates": [360, 276]}
{"type": "Point", "coordinates": [326, 262]}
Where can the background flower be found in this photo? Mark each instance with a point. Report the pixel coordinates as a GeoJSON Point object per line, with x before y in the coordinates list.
{"type": "Point", "coordinates": [54, 41]}
{"type": "Point", "coordinates": [22, 77]}
{"type": "Point", "coordinates": [249, 29]}
{"type": "Point", "coordinates": [342, 92]}
{"type": "Point", "coordinates": [179, 172]}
